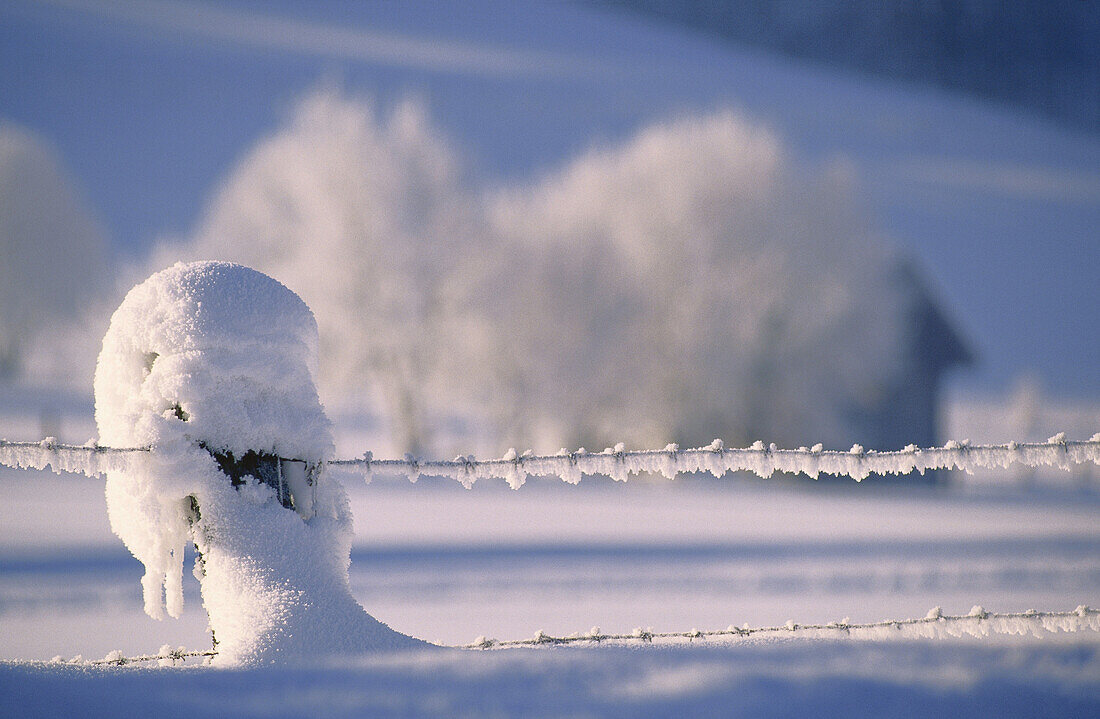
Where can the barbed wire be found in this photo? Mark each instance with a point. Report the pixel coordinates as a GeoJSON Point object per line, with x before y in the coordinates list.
{"type": "Point", "coordinates": [978, 622]}
{"type": "Point", "coordinates": [619, 463]}
{"type": "Point", "coordinates": [89, 459]}
{"type": "Point", "coordinates": [51, 444]}
{"type": "Point", "coordinates": [116, 658]}
{"type": "Point", "coordinates": [1081, 618]}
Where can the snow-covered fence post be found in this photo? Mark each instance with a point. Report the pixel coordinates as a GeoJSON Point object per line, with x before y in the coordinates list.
{"type": "Point", "coordinates": [212, 366]}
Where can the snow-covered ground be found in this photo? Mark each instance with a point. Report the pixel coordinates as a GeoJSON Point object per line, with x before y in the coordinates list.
{"type": "Point", "coordinates": [448, 564]}
{"type": "Point", "coordinates": [788, 679]}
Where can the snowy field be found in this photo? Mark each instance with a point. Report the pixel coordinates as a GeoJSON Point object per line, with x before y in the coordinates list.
{"type": "Point", "coordinates": [788, 679]}
{"type": "Point", "coordinates": [448, 564]}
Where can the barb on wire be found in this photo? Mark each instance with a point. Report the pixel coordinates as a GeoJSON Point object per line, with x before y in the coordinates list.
{"type": "Point", "coordinates": [619, 463]}
{"type": "Point", "coordinates": [934, 625]}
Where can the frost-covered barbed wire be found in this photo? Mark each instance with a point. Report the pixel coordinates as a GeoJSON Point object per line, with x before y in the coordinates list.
{"type": "Point", "coordinates": [90, 458]}
{"type": "Point", "coordinates": [935, 624]}
{"type": "Point", "coordinates": [166, 656]}
{"type": "Point", "coordinates": [619, 463]}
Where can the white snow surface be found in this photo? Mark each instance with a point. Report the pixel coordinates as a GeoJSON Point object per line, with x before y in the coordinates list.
{"type": "Point", "coordinates": [447, 564]}
{"type": "Point", "coordinates": [791, 679]}
{"type": "Point", "coordinates": [219, 356]}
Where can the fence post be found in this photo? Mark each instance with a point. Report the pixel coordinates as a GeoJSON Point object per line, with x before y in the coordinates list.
{"type": "Point", "coordinates": [212, 365]}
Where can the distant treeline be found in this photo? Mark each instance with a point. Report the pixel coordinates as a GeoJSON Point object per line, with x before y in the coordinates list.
{"type": "Point", "coordinates": [1039, 54]}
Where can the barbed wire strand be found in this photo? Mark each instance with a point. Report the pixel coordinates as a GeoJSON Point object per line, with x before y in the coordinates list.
{"type": "Point", "coordinates": [982, 622]}
{"type": "Point", "coordinates": [619, 463]}
{"type": "Point", "coordinates": [1081, 618]}
{"type": "Point", "coordinates": [177, 655]}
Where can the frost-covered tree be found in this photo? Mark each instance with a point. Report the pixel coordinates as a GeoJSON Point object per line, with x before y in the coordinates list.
{"type": "Point", "coordinates": [694, 283]}
{"type": "Point", "coordinates": [53, 248]}
{"type": "Point", "coordinates": [362, 214]}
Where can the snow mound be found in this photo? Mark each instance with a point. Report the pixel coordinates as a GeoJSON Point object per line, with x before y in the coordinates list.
{"type": "Point", "coordinates": [211, 364]}
{"type": "Point", "coordinates": [225, 346]}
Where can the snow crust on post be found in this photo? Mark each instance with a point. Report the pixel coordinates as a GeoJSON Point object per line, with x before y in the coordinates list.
{"type": "Point", "coordinates": [619, 463]}
{"type": "Point", "coordinates": [214, 357]}
{"type": "Point", "coordinates": [232, 349]}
